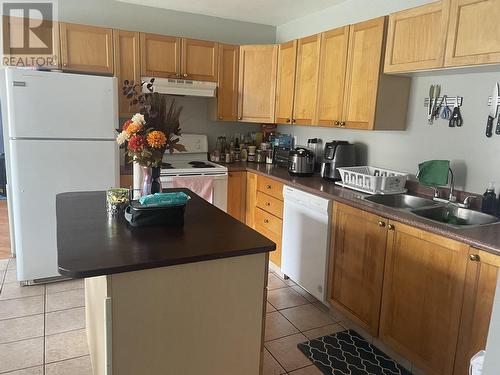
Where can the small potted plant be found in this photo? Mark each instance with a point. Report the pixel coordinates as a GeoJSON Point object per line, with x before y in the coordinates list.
{"type": "Point", "coordinates": [150, 132]}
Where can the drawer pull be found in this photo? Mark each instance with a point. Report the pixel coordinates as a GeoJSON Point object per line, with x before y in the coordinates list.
{"type": "Point", "coordinates": [268, 186]}
{"type": "Point", "coordinates": [475, 257]}
{"type": "Point", "coordinates": [268, 204]}
{"type": "Point", "coordinates": [266, 221]}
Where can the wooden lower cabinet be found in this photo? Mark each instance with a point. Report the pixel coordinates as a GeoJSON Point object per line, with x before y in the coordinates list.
{"type": "Point", "coordinates": [480, 285]}
{"type": "Point", "coordinates": [422, 297]}
{"type": "Point", "coordinates": [357, 265]}
{"type": "Point", "coordinates": [264, 210]}
{"type": "Point", "coordinates": [236, 195]}
{"type": "Point", "coordinates": [429, 298]}
{"type": "Point", "coordinates": [251, 199]}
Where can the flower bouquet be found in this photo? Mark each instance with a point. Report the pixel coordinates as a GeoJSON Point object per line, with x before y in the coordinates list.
{"type": "Point", "coordinates": [150, 132]}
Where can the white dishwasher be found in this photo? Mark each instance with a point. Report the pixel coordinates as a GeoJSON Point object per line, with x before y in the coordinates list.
{"type": "Point", "coordinates": [306, 240]}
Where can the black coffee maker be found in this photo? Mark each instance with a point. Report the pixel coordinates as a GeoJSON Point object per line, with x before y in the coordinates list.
{"type": "Point", "coordinates": [337, 154]}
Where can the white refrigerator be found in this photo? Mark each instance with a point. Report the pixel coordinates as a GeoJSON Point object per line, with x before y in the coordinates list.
{"type": "Point", "coordinates": [59, 132]}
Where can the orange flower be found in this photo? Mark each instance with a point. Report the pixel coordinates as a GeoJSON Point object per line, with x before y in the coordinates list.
{"type": "Point", "coordinates": [133, 128]}
{"type": "Point", "coordinates": [157, 139]}
{"type": "Point", "coordinates": [126, 124]}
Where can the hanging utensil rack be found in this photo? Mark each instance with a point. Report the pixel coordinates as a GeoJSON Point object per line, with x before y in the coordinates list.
{"type": "Point", "coordinates": [451, 101]}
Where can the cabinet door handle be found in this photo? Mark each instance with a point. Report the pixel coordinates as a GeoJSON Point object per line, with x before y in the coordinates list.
{"type": "Point", "coordinates": [287, 120]}
{"type": "Point", "coordinates": [240, 118]}
{"type": "Point", "coordinates": [266, 221]}
{"type": "Point", "coordinates": [381, 224]}
{"type": "Point", "coordinates": [185, 75]}
{"type": "Point", "coordinates": [391, 227]}
{"type": "Point", "coordinates": [293, 121]}
{"type": "Point", "coordinates": [475, 257]}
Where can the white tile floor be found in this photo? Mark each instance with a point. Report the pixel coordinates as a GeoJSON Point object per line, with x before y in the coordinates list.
{"type": "Point", "coordinates": [42, 328]}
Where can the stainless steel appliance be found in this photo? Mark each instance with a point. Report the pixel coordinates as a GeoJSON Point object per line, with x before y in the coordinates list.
{"type": "Point", "coordinates": [314, 144]}
{"type": "Point", "coordinates": [281, 156]}
{"type": "Point", "coordinates": [301, 162]}
{"type": "Point", "coordinates": [337, 154]}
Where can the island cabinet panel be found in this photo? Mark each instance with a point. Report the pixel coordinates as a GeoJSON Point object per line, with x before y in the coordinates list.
{"type": "Point", "coordinates": [357, 265]}
{"type": "Point", "coordinates": [257, 83]}
{"type": "Point", "coordinates": [127, 66]}
{"type": "Point", "coordinates": [13, 53]}
{"type": "Point", "coordinates": [236, 195]}
{"type": "Point", "coordinates": [423, 295]}
{"type": "Point", "coordinates": [363, 70]}
{"type": "Point", "coordinates": [227, 91]}
{"type": "Point", "coordinates": [306, 81]}
{"type": "Point", "coordinates": [416, 38]}
{"type": "Point", "coordinates": [480, 285]}
{"type": "Point", "coordinates": [182, 325]}
{"type": "Point", "coordinates": [199, 59]}
{"type": "Point", "coordinates": [332, 68]}
{"type": "Point", "coordinates": [285, 84]}
{"type": "Point", "coordinates": [86, 48]}
{"type": "Point", "coordinates": [473, 33]}
{"type": "Point", "coordinates": [160, 56]}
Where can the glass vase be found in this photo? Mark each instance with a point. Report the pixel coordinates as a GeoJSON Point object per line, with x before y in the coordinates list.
{"type": "Point", "coordinates": [155, 180]}
{"type": "Point", "coordinates": [147, 178]}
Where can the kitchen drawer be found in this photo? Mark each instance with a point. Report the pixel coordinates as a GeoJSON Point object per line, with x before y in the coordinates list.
{"type": "Point", "coordinates": [274, 256]}
{"type": "Point", "coordinates": [268, 221]}
{"type": "Point", "coordinates": [270, 186]}
{"type": "Point", "coordinates": [270, 204]}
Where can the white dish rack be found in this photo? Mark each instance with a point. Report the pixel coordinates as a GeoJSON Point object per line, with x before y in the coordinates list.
{"type": "Point", "coordinates": [373, 180]}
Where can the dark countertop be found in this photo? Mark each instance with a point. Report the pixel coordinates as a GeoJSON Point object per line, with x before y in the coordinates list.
{"type": "Point", "coordinates": [486, 237]}
{"type": "Point", "coordinates": [89, 244]}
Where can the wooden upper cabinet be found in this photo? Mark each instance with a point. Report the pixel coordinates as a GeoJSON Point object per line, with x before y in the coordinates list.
{"type": "Point", "coordinates": [160, 56]}
{"type": "Point", "coordinates": [363, 71]}
{"type": "Point", "coordinates": [473, 33]}
{"type": "Point", "coordinates": [14, 53]}
{"type": "Point", "coordinates": [306, 81]}
{"type": "Point", "coordinates": [127, 66]}
{"type": "Point", "coordinates": [236, 195]}
{"type": "Point", "coordinates": [480, 286]}
{"type": "Point", "coordinates": [199, 60]}
{"type": "Point", "coordinates": [285, 84]}
{"type": "Point", "coordinates": [357, 259]}
{"type": "Point", "coordinates": [257, 83]}
{"type": "Point", "coordinates": [416, 38]}
{"type": "Point", "coordinates": [227, 91]}
{"type": "Point", "coordinates": [332, 68]}
{"type": "Point", "coordinates": [422, 299]}
{"type": "Point", "coordinates": [86, 48]}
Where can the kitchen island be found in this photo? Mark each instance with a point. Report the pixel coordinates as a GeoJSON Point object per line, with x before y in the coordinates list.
{"type": "Point", "coordinates": [166, 300]}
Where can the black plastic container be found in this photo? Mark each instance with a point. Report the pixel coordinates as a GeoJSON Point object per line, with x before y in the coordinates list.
{"type": "Point", "coordinates": [489, 205]}
{"type": "Point", "coordinates": [140, 216]}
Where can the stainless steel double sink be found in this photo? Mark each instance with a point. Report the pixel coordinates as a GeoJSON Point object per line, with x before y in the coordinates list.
{"type": "Point", "coordinates": [445, 213]}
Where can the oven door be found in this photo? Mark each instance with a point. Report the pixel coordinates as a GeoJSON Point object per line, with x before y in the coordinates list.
{"type": "Point", "coordinates": [219, 193]}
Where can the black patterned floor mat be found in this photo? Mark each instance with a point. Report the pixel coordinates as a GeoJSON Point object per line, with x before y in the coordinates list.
{"type": "Point", "coordinates": [347, 353]}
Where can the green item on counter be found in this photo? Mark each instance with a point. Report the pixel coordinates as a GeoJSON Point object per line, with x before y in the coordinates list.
{"type": "Point", "coordinates": [434, 172]}
{"type": "Point", "coordinates": [164, 199]}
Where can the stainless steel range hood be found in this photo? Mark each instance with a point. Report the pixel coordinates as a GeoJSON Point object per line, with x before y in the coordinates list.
{"type": "Point", "coordinates": [174, 86]}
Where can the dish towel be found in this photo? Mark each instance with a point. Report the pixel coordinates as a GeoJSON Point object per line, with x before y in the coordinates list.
{"type": "Point", "coordinates": [201, 185]}
{"type": "Point", "coordinates": [434, 172]}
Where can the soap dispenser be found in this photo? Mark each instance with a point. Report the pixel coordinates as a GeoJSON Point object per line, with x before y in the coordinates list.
{"type": "Point", "coordinates": [489, 205]}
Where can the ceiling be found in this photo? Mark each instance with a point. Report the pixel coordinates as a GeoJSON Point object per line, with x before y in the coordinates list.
{"type": "Point", "coordinates": [268, 12]}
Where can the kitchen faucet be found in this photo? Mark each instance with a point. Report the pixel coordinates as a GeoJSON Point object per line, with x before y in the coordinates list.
{"type": "Point", "coordinates": [452, 198]}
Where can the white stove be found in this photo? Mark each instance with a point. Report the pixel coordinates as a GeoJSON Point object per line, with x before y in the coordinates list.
{"type": "Point", "coordinates": [191, 163]}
